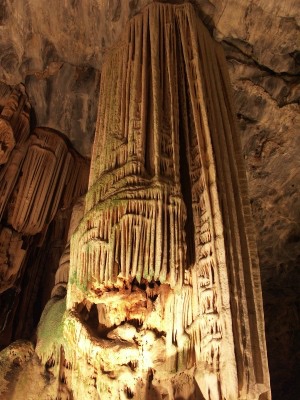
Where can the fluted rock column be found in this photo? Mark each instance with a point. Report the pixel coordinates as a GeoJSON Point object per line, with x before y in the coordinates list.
{"type": "Point", "coordinates": [166, 249]}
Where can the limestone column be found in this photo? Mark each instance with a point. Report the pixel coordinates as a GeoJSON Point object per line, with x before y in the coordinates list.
{"type": "Point", "coordinates": [166, 244]}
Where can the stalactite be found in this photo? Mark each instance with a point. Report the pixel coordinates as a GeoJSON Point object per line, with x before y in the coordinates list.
{"type": "Point", "coordinates": [9, 174]}
{"type": "Point", "coordinates": [50, 176]}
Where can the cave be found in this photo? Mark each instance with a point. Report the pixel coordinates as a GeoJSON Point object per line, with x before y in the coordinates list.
{"type": "Point", "coordinates": [149, 232]}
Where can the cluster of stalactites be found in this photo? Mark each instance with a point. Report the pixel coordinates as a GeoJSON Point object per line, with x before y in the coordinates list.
{"type": "Point", "coordinates": [139, 235]}
{"type": "Point", "coordinates": [40, 173]}
{"type": "Point", "coordinates": [51, 176]}
{"type": "Point", "coordinates": [39, 177]}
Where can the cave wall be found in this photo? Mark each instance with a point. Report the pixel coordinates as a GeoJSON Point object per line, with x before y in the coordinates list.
{"type": "Point", "coordinates": [57, 52]}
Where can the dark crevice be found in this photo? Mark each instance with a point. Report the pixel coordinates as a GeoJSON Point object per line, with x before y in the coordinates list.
{"type": "Point", "coordinates": [246, 118]}
{"type": "Point", "coordinates": [136, 323]}
{"type": "Point", "coordinates": [252, 61]}
{"type": "Point", "coordinates": [186, 191]}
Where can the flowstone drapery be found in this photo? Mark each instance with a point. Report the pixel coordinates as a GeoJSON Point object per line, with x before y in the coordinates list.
{"type": "Point", "coordinates": [40, 174]}
{"type": "Point", "coordinates": [164, 297]}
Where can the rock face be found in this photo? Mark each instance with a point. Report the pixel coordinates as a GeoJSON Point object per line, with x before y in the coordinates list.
{"type": "Point", "coordinates": [61, 76]}
{"type": "Point", "coordinates": [164, 296]}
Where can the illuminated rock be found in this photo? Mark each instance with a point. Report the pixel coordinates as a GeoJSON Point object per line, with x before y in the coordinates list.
{"type": "Point", "coordinates": [62, 273]}
{"type": "Point", "coordinates": [14, 131]}
{"type": "Point", "coordinates": [164, 297]}
{"type": "Point", "coordinates": [40, 174]}
{"type": "Point", "coordinates": [51, 176]}
{"type": "Point", "coordinates": [14, 122]}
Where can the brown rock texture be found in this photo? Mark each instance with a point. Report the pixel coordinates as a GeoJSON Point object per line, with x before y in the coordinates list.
{"type": "Point", "coordinates": [50, 175]}
{"type": "Point", "coordinates": [14, 121]}
{"type": "Point", "coordinates": [57, 49]}
{"type": "Point", "coordinates": [21, 375]}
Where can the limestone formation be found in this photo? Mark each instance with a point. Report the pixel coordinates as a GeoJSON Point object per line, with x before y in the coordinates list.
{"type": "Point", "coordinates": [62, 273]}
{"type": "Point", "coordinates": [164, 296]}
{"type": "Point", "coordinates": [14, 131]}
{"type": "Point", "coordinates": [40, 174]}
{"type": "Point", "coordinates": [9, 174]}
{"type": "Point", "coordinates": [40, 177]}
{"type": "Point", "coordinates": [7, 140]}
{"type": "Point", "coordinates": [50, 175]}
{"type": "Point", "coordinates": [14, 122]}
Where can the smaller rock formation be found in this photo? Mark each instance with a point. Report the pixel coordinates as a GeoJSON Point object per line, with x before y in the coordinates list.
{"type": "Point", "coordinates": [62, 273]}
{"type": "Point", "coordinates": [41, 177]}
{"type": "Point", "coordinates": [7, 140]}
{"type": "Point", "coordinates": [40, 173]}
{"type": "Point", "coordinates": [14, 132]}
{"type": "Point", "coordinates": [14, 122]}
{"type": "Point", "coordinates": [51, 340]}
{"type": "Point", "coordinates": [12, 360]}
{"type": "Point", "coordinates": [51, 176]}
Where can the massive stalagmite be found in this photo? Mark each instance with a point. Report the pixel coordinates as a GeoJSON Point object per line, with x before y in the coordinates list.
{"type": "Point", "coordinates": [164, 297]}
